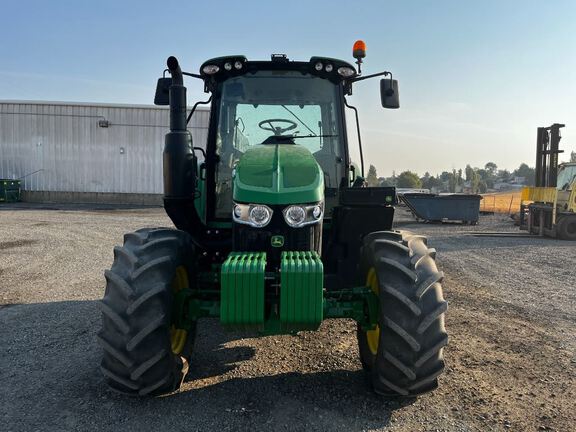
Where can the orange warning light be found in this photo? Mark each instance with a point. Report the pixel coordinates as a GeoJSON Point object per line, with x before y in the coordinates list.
{"type": "Point", "coordinates": [359, 49]}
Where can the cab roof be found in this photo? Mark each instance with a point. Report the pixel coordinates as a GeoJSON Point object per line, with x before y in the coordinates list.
{"type": "Point", "coordinates": [221, 68]}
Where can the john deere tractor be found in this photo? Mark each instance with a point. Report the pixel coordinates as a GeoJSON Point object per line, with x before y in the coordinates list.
{"type": "Point", "coordinates": [275, 232]}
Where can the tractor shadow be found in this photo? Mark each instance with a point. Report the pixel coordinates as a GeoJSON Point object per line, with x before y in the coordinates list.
{"type": "Point", "coordinates": [337, 400]}
{"type": "Point", "coordinates": [211, 358]}
{"type": "Point", "coordinates": [323, 400]}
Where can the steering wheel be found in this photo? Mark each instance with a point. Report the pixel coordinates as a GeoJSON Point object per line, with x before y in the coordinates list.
{"type": "Point", "coordinates": [279, 130]}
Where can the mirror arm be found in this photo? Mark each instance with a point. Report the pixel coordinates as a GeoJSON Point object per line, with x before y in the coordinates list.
{"type": "Point", "coordinates": [359, 138]}
{"type": "Point", "coordinates": [192, 75]}
{"type": "Point", "coordinates": [386, 73]}
{"type": "Point", "coordinates": [183, 73]}
{"type": "Point", "coordinates": [195, 106]}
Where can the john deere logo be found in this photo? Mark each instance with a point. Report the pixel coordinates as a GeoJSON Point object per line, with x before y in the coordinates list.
{"type": "Point", "coordinates": [277, 241]}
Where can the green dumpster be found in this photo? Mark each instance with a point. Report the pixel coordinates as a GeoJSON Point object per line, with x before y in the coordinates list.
{"type": "Point", "coordinates": [9, 190]}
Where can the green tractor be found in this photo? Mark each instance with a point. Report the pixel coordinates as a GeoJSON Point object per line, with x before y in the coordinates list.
{"type": "Point", "coordinates": [275, 232]}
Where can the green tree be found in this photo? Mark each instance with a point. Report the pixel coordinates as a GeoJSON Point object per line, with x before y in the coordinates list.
{"type": "Point", "coordinates": [482, 186]}
{"type": "Point", "coordinates": [503, 174]}
{"type": "Point", "coordinates": [445, 176]}
{"type": "Point", "coordinates": [372, 178]}
{"type": "Point", "coordinates": [452, 182]}
{"type": "Point", "coordinates": [469, 172]}
{"type": "Point", "coordinates": [432, 183]}
{"type": "Point", "coordinates": [475, 182]}
{"type": "Point", "coordinates": [525, 171]}
{"type": "Point", "coordinates": [408, 179]}
{"type": "Point", "coordinates": [386, 182]}
{"type": "Point", "coordinates": [491, 167]}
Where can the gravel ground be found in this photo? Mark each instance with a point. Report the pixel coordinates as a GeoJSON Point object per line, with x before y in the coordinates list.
{"type": "Point", "coordinates": [511, 359]}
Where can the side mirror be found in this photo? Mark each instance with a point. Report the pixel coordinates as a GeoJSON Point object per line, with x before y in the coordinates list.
{"type": "Point", "coordinates": [162, 96]}
{"type": "Point", "coordinates": [389, 93]}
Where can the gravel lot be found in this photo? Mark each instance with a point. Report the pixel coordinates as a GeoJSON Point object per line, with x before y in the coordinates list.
{"type": "Point", "coordinates": [511, 359]}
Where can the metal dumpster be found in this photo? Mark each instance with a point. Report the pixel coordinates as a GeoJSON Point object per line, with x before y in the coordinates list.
{"type": "Point", "coordinates": [464, 208]}
{"type": "Point", "coordinates": [9, 190]}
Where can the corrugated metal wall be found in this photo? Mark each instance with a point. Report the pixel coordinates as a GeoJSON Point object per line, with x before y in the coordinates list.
{"type": "Point", "coordinates": [62, 147]}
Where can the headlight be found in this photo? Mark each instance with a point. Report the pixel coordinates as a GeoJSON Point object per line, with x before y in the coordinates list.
{"type": "Point", "coordinates": [301, 215]}
{"type": "Point", "coordinates": [260, 215]}
{"type": "Point", "coordinates": [295, 215]}
{"type": "Point", "coordinates": [210, 69]}
{"type": "Point", "coordinates": [256, 215]}
{"type": "Point", "coordinates": [346, 72]}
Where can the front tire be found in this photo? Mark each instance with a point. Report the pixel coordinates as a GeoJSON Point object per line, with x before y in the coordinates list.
{"type": "Point", "coordinates": [143, 352]}
{"type": "Point", "coordinates": [404, 355]}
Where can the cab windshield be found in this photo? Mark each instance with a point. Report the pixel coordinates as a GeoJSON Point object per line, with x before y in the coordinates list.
{"type": "Point", "coordinates": [277, 107]}
{"type": "Point", "coordinates": [566, 176]}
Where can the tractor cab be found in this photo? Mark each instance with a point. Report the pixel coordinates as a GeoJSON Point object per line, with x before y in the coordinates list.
{"type": "Point", "coordinates": [271, 112]}
{"type": "Point", "coordinates": [277, 157]}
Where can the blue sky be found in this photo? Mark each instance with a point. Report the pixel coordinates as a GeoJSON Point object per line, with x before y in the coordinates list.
{"type": "Point", "coordinates": [476, 78]}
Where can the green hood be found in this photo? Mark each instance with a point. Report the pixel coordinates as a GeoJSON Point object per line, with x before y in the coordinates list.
{"type": "Point", "coordinates": [278, 174]}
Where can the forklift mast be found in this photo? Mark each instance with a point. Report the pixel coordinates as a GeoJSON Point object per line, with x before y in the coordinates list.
{"type": "Point", "coordinates": [547, 151]}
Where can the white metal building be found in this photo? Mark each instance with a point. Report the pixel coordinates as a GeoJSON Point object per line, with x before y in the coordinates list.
{"type": "Point", "coordinates": [87, 152]}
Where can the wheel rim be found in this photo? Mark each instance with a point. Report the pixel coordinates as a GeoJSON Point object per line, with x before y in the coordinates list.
{"type": "Point", "coordinates": [373, 336]}
{"type": "Point", "coordinates": [178, 336]}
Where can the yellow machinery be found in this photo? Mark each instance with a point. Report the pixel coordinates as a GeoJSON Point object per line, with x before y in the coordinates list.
{"type": "Point", "coordinates": [549, 208]}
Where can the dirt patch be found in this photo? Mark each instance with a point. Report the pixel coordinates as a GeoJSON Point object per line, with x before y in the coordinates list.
{"type": "Point", "coordinates": [16, 243]}
{"type": "Point", "coordinates": [509, 370]}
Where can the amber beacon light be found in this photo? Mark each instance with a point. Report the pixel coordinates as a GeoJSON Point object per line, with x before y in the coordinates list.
{"type": "Point", "coordinates": [359, 52]}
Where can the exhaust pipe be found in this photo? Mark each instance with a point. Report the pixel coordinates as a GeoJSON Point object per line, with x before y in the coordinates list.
{"type": "Point", "coordinates": [179, 160]}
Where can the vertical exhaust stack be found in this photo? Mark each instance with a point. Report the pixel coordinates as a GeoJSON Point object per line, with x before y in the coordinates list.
{"type": "Point", "coordinates": [179, 159]}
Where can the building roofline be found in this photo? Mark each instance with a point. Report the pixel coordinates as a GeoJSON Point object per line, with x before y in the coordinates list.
{"type": "Point", "coordinates": [89, 104]}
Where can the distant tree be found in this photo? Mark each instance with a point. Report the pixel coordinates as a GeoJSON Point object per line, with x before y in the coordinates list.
{"type": "Point", "coordinates": [503, 174]}
{"type": "Point", "coordinates": [475, 182]}
{"type": "Point", "coordinates": [424, 180]}
{"type": "Point", "coordinates": [482, 186]}
{"type": "Point", "coordinates": [452, 181]}
{"type": "Point", "coordinates": [445, 176]}
{"type": "Point", "coordinates": [372, 178]}
{"type": "Point", "coordinates": [573, 156]}
{"type": "Point", "coordinates": [469, 172]}
{"type": "Point", "coordinates": [432, 183]}
{"type": "Point", "coordinates": [459, 178]}
{"type": "Point", "coordinates": [491, 167]}
{"type": "Point", "coordinates": [525, 171]}
{"type": "Point", "coordinates": [408, 179]}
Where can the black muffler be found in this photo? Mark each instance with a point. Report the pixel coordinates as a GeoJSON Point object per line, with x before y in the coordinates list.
{"type": "Point", "coordinates": [179, 160]}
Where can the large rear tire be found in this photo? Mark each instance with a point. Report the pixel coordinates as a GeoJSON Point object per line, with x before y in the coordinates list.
{"type": "Point", "coordinates": [566, 228]}
{"type": "Point", "coordinates": [143, 353]}
{"type": "Point", "coordinates": [404, 355]}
